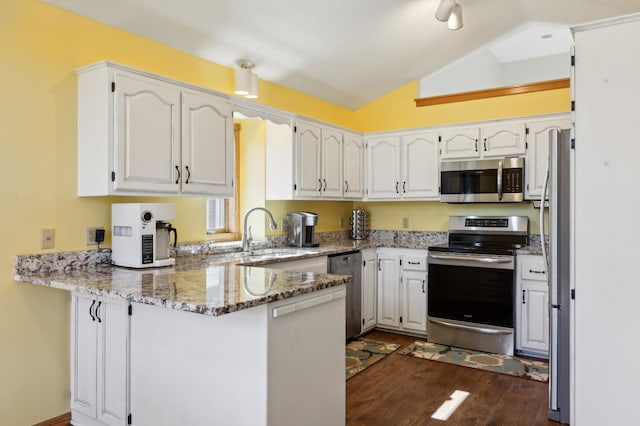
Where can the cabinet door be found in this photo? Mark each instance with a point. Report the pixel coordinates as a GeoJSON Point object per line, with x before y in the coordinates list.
{"type": "Point", "coordinates": [369, 289]}
{"type": "Point", "coordinates": [331, 163]}
{"type": "Point", "coordinates": [147, 133]}
{"type": "Point", "coordinates": [414, 300]}
{"type": "Point", "coordinates": [353, 167]}
{"type": "Point", "coordinates": [388, 290]}
{"type": "Point", "coordinates": [534, 327]}
{"type": "Point", "coordinates": [538, 153]}
{"type": "Point", "coordinates": [420, 171]}
{"type": "Point", "coordinates": [383, 167]}
{"type": "Point", "coordinates": [460, 143]}
{"type": "Point", "coordinates": [504, 139]}
{"type": "Point", "coordinates": [308, 144]}
{"type": "Point", "coordinates": [207, 145]}
{"type": "Point", "coordinates": [113, 360]}
{"type": "Point", "coordinates": [84, 355]}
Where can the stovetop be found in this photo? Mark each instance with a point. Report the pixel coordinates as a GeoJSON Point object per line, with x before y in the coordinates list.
{"type": "Point", "coordinates": [485, 235]}
{"type": "Point", "coordinates": [479, 249]}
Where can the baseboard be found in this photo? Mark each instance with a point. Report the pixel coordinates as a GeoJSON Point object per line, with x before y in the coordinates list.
{"type": "Point", "coordinates": [61, 420]}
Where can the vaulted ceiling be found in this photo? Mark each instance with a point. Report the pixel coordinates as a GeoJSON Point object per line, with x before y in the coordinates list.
{"type": "Point", "coordinates": [348, 52]}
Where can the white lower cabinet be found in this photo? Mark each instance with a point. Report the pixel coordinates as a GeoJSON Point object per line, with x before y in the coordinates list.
{"type": "Point", "coordinates": [99, 360]}
{"type": "Point", "coordinates": [532, 312]}
{"type": "Point", "coordinates": [369, 290]}
{"type": "Point", "coordinates": [402, 289]}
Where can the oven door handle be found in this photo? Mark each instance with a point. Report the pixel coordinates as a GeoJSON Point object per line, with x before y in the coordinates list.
{"type": "Point", "coordinates": [470, 328]}
{"type": "Point", "coordinates": [472, 259]}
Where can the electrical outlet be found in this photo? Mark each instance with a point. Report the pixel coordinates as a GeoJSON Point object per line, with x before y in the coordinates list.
{"type": "Point", "coordinates": [48, 238]}
{"type": "Point", "coordinates": [90, 235]}
{"type": "Point", "coordinates": [405, 222]}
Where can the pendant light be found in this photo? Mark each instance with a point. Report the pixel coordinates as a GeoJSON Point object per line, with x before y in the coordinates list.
{"type": "Point", "coordinates": [445, 8]}
{"type": "Point", "coordinates": [451, 12]}
{"type": "Point", "coordinates": [243, 77]}
{"type": "Point", "coordinates": [455, 20]}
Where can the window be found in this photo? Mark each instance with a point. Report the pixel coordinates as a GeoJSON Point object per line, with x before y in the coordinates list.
{"type": "Point", "coordinates": [222, 214]}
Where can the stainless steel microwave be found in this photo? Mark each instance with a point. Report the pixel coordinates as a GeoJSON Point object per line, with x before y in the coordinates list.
{"type": "Point", "coordinates": [482, 181]}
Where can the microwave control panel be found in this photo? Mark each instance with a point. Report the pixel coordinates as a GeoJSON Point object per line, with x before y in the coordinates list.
{"type": "Point", "coordinates": [512, 181]}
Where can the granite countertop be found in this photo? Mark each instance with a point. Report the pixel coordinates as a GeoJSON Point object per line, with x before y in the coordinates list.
{"type": "Point", "coordinates": [205, 284]}
{"type": "Point", "coordinates": [207, 281]}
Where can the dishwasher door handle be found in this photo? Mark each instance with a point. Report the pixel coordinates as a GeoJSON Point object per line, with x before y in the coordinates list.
{"type": "Point", "coordinates": [308, 303]}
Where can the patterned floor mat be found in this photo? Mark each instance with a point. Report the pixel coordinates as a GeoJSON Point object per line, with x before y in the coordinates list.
{"type": "Point", "coordinates": [363, 353]}
{"type": "Point", "coordinates": [505, 364]}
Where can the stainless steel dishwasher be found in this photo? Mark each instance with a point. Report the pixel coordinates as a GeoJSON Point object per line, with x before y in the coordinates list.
{"type": "Point", "coordinates": [350, 264]}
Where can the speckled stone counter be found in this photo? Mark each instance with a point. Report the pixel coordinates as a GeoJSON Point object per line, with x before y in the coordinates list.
{"type": "Point", "coordinates": [210, 285]}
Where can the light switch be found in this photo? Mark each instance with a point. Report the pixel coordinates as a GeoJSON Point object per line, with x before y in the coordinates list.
{"type": "Point", "coordinates": [405, 222]}
{"type": "Point", "coordinates": [48, 238]}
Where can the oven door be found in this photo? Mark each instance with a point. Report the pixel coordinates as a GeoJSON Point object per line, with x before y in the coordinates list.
{"type": "Point", "coordinates": [482, 181]}
{"type": "Point", "coordinates": [471, 301]}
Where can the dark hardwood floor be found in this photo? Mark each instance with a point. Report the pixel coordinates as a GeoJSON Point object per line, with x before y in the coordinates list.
{"type": "Point", "coordinates": [402, 390]}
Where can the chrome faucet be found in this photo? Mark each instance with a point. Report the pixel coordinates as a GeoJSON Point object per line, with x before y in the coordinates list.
{"type": "Point", "coordinates": [246, 235]}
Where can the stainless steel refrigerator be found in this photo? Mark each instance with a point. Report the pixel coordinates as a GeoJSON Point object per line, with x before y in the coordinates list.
{"type": "Point", "coordinates": [559, 169]}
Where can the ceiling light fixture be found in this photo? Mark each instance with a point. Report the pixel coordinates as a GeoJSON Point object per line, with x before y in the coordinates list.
{"type": "Point", "coordinates": [451, 12]}
{"type": "Point", "coordinates": [445, 9]}
{"type": "Point", "coordinates": [455, 20]}
{"type": "Point", "coordinates": [246, 82]}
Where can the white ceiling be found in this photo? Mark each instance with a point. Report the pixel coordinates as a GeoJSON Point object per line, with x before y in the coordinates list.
{"type": "Point", "coordinates": [348, 52]}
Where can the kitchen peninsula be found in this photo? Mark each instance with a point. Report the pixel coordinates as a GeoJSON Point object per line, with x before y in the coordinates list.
{"type": "Point", "coordinates": [212, 340]}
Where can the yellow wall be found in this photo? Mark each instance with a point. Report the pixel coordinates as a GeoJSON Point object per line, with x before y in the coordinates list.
{"type": "Point", "coordinates": [41, 47]}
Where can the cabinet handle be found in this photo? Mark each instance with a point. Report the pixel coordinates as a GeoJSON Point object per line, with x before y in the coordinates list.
{"type": "Point", "coordinates": [98, 312]}
{"type": "Point", "coordinates": [178, 178]}
{"type": "Point", "coordinates": [91, 310]}
{"type": "Point", "coordinates": [404, 184]}
{"type": "Point", "coordinates": [524, 302]}
{"type": "Point", "coordinates": [485, 144]}
{"type": "Point", "coordinates": [325, 185]}
{"type": "Point", "coordinates": [476, 145]}
{"type": "Point", "coordinates": [413, 263]}
{"type": "Point", "coordinates": [346, 186]}
{"type": "Point", "coordinates": [397, 183]}
{"type": "Point", "coordinates": [531, 271]}
{"type": "Point", "coordinates": [423, 283]}
{"type": "Point", "coordinates": [320, 185]}
{"type": "Point", "coordinates": [188, 174]}
{"type": "Point", "coordinates": [379, 268]}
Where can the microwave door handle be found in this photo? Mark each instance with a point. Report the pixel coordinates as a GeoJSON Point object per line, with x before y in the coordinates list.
{"type": "Point", "coordinates": [500, 180]}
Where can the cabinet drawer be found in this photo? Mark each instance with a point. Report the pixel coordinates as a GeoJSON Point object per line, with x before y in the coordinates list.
{"type": "Point", "coordinates": [414, 263]}
{"type": "Point", "coordinates": [532, 268]}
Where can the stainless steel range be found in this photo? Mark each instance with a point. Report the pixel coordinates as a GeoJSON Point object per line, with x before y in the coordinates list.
{"type": "Point", "coordinates": [472, 283]}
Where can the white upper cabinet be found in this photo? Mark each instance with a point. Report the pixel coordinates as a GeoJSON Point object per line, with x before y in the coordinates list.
{"type": "Point", "coordinates": [491, 140]}
{"type": "Point", "coordinates": [420, 172]}
{"type": "Point", "coordinates": [403, 166]}
{"type": "Point", "coordinates": [460, 143]}
{"type": "Point", "coordinates": [538, 152]}
{"type": "Point", "coordinates": [207, 158]}
{"type": "Point", "coordinates": [308, 182]}
{"type": "Point", "coordinates": [141, 134]}
{"type": "Point", "coordinates": [322, 162]}
{"type": "Point", "coordinates": [353, 166]}
{"type": "Point", "coordinates": [503, 140]}
{"type": "Point", "coordinates": [331, 163]}
{"type": "Point", "coordinates": [147, 142]}
{"type": "Point", "coordinates": [319, 161]}
{"type": "Point", "coordinates": [383, 167]}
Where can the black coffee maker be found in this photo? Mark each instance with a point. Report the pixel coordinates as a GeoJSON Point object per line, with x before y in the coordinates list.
{"type": "Point", "coordinates": [301, 229]}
